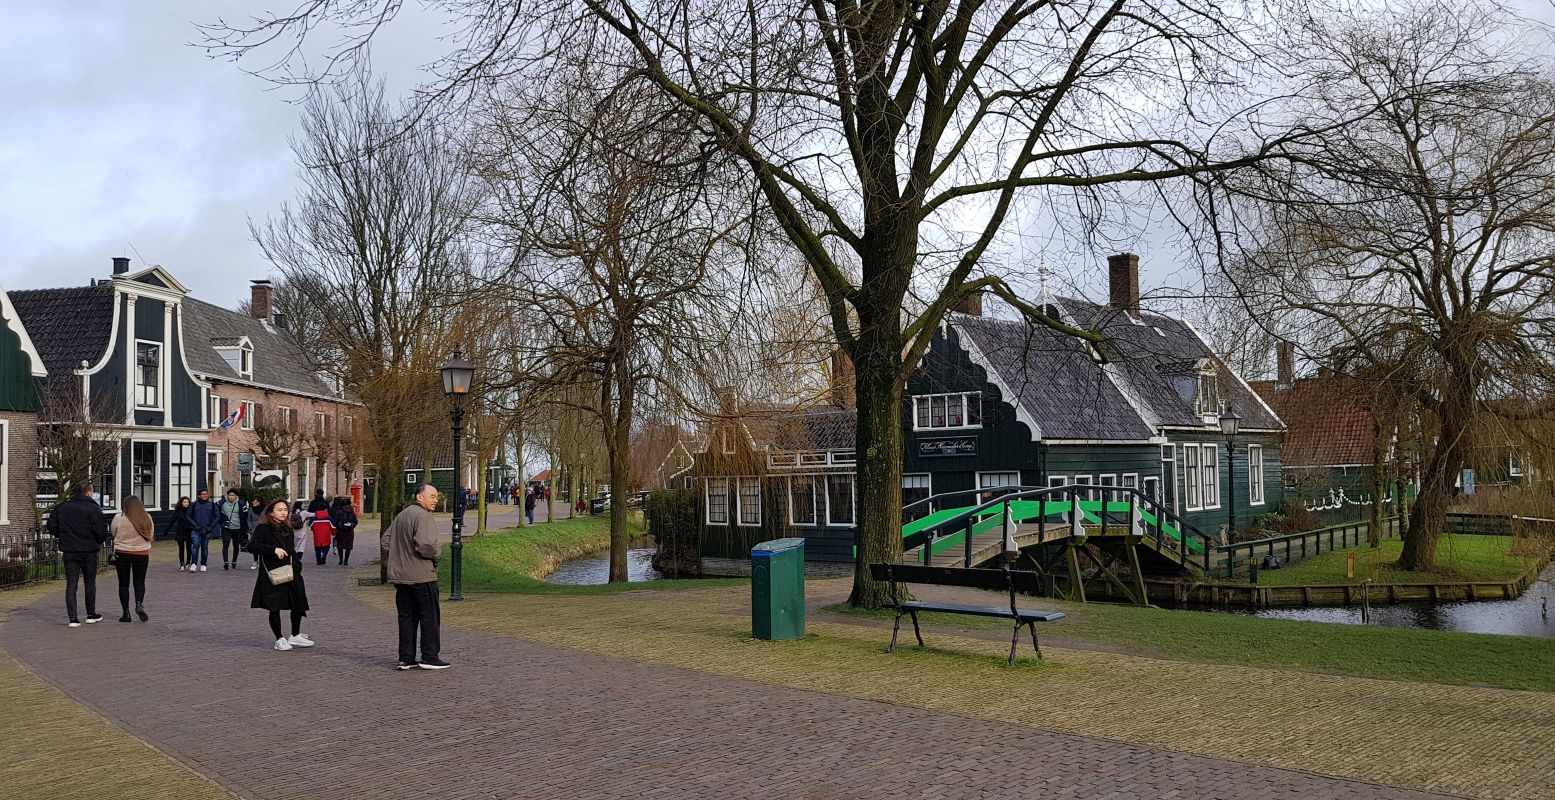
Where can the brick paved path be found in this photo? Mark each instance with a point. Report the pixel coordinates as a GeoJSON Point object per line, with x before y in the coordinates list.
{"type": "Point", "coordinates": [517, 719]}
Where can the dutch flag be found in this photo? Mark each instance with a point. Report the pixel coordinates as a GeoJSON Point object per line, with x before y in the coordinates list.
{"type": "Point", "coordinates": [234, 417]}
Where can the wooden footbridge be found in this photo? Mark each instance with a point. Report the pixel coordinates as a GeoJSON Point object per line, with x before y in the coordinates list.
{"type": "Point", "coordinates": [1122, 539]}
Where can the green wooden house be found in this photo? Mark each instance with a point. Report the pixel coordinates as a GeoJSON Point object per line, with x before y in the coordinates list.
{"type": "Point", "coordinates": [22, 372]}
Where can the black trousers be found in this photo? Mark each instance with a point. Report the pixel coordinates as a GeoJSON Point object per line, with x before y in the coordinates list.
{"type": "Point", "coordinates": [235, 537]}
{"type": "Point", "coordinates": [322, 554]}
{"type": "Point", "coordinates": [275, 622]}
{"type": "Point", "coordinates": [132, 567]}
{"type": "Point", "coordinates": [183, 552]}
{"type": "Point", "coordinates": [417, 606]}
{"type": "Point", "coordinates": [82, 567]}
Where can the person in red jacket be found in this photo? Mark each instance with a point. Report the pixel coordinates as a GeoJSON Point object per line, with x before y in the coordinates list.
{"type": "Point", "coordinates": [323, 533]}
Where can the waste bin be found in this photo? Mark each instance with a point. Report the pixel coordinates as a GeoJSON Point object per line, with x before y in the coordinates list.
{"type": "Point", "coordinates": [777, 589]}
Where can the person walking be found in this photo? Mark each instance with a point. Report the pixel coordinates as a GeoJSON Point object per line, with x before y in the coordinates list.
{"type": "Point", "coordinates": [413, 550]}
{"type": "Point", "coordinates": [179, 526]}
{"type": "Point", "coordinates": [343, 515]}
{"type": "Point", "coordinates": [234, 528]}
{"type": "Point", "coordinates": [529, 507]}
{"type": "Point", "coordinates": [79, 527]}
{"type": "Point", "coordinates": [272, 544]}
{"type": "Point", "coordinates": [205, 522]}
{"type": "Point", "coordinates": [319, 503]}
{"type": "Point", "coordinates": [132, 533]}
{"type": "Point", "coordinates": [323, 534]}
{"type": "Point", "coordinates": [256, 510]}
{"type": "Point", "coordinates": [300, 535]}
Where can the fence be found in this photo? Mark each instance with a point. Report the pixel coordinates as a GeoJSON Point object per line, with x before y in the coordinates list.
{"type": "Point", "coordinates": [33, 556]}
{"type": "Point", "coordinates": [1499, 525]}
{"type": "Point", "coordinates": [1298, 545]}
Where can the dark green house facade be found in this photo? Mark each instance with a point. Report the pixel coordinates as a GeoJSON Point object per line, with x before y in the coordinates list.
{"type": "Point", "coordinates": [22, 372]}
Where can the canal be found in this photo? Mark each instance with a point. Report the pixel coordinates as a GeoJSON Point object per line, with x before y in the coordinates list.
{"type": "Point", "coordinates": [596, 569]}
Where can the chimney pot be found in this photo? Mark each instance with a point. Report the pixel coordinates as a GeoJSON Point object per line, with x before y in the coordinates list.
{"type": "Point", "coordinates": [1123, 280]}
{"type": "Point", "coordinates": [1285, 363]}
{"type": "Point", "coordinates": [121, 265]}
{"type": "Point", "coordinates": [842, 382]}
{"type": "Point", "coordinates": [279, 321]}
{"type": "Point", "coordinates": [260, 297]}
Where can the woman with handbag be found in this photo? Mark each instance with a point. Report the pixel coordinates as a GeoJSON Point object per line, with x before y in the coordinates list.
{"type": "Point", "coordinates": [132, 532]}
{"type": "Point", "coordinates": [278, 586]}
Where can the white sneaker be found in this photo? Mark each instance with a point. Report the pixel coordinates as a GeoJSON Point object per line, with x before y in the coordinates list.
{"type": "Point", "coordinates": [255, 565]}
{"type": "Point", "coordinates": [183, 567]}
{"type": "Point", "coordinates": [202, 567]}
{"type": "Point", "coordinates": [300, 640]}
{"type": "Point", "coordinates": [282, 644]}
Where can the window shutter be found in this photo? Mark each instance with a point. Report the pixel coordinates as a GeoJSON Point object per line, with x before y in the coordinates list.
{"type": "Point", "coordinates": [224, 411]}
{"type": "Point", "coordinates": [259, 414]}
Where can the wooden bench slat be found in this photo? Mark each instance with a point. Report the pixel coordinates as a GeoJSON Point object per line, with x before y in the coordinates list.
{"type": "Point", "coordinates": [983, 611]}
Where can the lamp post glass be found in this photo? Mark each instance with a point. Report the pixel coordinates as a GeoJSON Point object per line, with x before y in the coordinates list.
{"type": "Point", "coordinates": [457, 374]}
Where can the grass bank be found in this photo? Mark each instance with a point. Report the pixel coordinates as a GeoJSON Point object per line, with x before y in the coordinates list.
{"type": "Point", "coordinates": [516, 560]}
{"type": "Point", "coordinates": [1508, 662]}
{"type": "Point", "coordinates": [1459, 558]}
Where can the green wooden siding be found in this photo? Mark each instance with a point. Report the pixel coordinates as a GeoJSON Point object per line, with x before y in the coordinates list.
{"type": "Point", "coordinates": [19, 390]}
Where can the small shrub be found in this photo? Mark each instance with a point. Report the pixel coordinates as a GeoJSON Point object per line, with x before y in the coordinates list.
{"type": "Point", "coordinates": [674, 519]}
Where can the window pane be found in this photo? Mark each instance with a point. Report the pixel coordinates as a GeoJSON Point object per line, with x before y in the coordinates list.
{"type": "Point", "coordinates": [148, 361]}
{"type": "Point", "coordinates": [801, 500]}
{"type": "Point", "coordinates": [937, 411]}
{"type": "Point", "coordinates": [750, 501]}
{"type": "Point", "coordinates": [180, 470]}
{"type": "Point", "coordinates": [922, 404]}
{"type": "Point", "coordinates": [953, 416]}
{"type": "Point", "coordinates": [974, 408]}
{"type": "Point", "coordinates": [839, 499]}
{"type": "Point", "coordinates": [1211, 486]}
{"type": "Point", "coordinates": [143, 472]}
{"type": "Point", "coordinates": [718, 501]}
{"type": "Point", "coordinates": [1190, 463]}
{"type": "Point", "coordinates": [914, 488]}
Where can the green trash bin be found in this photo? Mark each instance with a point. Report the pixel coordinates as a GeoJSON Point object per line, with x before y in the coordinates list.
{"type": "Point", "coordinates": [777, 589]}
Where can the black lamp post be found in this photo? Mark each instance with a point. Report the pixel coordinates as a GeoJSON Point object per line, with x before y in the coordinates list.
{"type": "Point", "coordinates": [1230, 421]}
{"type": "Point", "coordinates": [457, 374]}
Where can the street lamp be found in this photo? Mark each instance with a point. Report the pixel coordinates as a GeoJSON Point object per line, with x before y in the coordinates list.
{"type": "Point", "coordinates": [457, 374]}
{"type": "Point", "coordinates": [1230, 421]}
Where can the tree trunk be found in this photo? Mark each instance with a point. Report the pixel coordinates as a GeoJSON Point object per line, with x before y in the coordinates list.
{"type": "Point", "coordinates": [877, 363]}
{"type": "Point", "coordinates": [1378, 486]}
{"type": "Point", "coordinates": [390, 494]}
{"type": "Point", "coordinates": [480, 494]}
{"type": "Point", "coordinates": [518, 455]}
{"type": "Point", "coordinates": [1438, 477]}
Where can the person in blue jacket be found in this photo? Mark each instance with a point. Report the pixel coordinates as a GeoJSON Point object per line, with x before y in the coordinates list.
{"type": "Point", "coordinates": [204, 522]}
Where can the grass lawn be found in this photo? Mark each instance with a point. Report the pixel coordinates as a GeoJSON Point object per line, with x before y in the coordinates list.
{"type": "Point", "coordinates": [515, 560]}
{"type": "Point", "coordinates": [1459, 557]}
{"type": "Point", "coordinates": [1510, 662]}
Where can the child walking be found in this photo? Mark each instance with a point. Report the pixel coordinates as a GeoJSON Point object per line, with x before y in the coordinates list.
{"type": "Point", "coordinates": [323, 533]}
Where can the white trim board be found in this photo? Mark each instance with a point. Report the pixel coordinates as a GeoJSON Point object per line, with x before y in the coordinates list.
{"type": "Point", "coordinates": [14, 322]}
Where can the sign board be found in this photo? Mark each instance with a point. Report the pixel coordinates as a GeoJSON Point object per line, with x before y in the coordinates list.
{"type": "Point", "coordinates": [960, 446]}
{"type": "Point", "coordinates": [269, 477]}
{"type": "Point", "coordinates": [245, 462]}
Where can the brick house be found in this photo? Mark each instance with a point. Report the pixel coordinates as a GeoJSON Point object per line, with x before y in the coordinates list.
{"type": "Point", "coordinates": [21, 381]}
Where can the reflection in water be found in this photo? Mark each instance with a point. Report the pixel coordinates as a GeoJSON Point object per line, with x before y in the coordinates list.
{"type": "Point", "coordinates": [1521, 617]}
{"type": "Point", "coordinates": [596, 569]}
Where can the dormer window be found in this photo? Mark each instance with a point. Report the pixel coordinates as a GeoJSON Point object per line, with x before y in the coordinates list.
{"type": "Point", "coordinates": [1207, 401]}
{"type": "Point", "coordinates": [239, 355]}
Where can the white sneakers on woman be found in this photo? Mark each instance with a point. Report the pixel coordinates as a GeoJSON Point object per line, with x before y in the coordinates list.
{"type": "Point", "coordinates": [289, 642]}
{"type": "Point", "coordinates": [282, 644]}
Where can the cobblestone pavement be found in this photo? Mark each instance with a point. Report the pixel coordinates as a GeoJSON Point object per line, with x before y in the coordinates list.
{"type": "Point", "coordinates": [521, 719]}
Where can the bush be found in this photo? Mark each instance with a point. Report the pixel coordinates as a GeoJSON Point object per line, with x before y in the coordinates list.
{"type": "Point", "coordinates": [674, 519]}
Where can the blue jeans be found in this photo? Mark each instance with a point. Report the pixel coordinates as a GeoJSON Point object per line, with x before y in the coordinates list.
{"type": "Point", "coordinates": [199, 548]}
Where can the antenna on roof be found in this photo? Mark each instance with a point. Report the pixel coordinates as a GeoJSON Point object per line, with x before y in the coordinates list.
{"type": "Point", "coordinates": [137, 252]}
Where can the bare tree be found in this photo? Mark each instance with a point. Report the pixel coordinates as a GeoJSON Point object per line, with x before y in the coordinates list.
{"type": "Point", "coordinates": [77, 440]}
{"type": "Point", "coordinates": [1415, 249]}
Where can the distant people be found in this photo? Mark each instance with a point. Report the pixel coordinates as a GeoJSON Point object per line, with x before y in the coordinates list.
{"type": "Point", "coordinates": [529, 507]}
{"type": "Point", "coordinates": [319, 503]}
{"type": "Point", "coordinates": [323, 535]}
{"type": "Point", "coordinates": [272, 543]}
{"type": "Point", "coordinates": [256, 510]}
{"type": "Point", "coordinates": [179, 526]}
{"type": "Point", "coordinates": [413, 551]}
{"type": "Point", "coordinates": [205, 519]}
{"type": "Point", "coordinates": [504, 493]}
{"type": "Point", "coordinates": [300, 534]}
{"type": "Point", "coordinates": [343, 515]}
{"type": "Point", "coordinates": [80, 528]}
{"type": "Point", "coordinates": [234, 528]}
{"type": "Point", "coordinates": [132, 534]}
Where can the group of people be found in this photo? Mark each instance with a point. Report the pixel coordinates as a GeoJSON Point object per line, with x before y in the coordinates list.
{"type": "Point", "coordinates": [276, 535]}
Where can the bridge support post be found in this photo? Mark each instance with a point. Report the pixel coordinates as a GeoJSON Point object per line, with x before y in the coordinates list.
{"type": "Point", "coordinates": [1076, 583]}
{"type": "Point", "coordinates": [1139, 574]}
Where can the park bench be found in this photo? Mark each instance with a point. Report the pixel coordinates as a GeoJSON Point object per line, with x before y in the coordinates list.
{"type": "Point", "coordinates": [1008, 580]}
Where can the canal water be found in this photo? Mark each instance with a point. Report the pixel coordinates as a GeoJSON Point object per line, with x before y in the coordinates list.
{"type": "Point", "coordinates": [596, 569]}
{"type": "Point", "coordinates": [1524, 616]}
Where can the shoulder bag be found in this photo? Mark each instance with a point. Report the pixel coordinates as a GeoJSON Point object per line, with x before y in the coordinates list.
{"type": "Point", "coordinates": [281, 574]}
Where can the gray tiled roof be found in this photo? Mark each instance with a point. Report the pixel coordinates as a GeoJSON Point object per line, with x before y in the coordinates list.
{"type": "Point", "coordinates": [67, 326]}
{"type": "Point", "coordinates": [279, 363]}
{"type": "Point", "coordinates": [1147, 380]}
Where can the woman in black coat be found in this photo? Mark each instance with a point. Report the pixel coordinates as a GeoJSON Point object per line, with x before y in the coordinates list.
{"type": "Point", "coordinates": [179, 526]}
{"type": "Point", "coordinates": [272, 543]}
{"type": "Point", "coordinates": [343, 515]}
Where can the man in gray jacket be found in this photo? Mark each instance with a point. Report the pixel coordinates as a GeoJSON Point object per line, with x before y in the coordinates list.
{"type": "Point", "coordinates": [413, 550]}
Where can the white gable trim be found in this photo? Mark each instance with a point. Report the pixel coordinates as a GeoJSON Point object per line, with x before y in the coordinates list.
{"type": "Point", "coordinates": [1234, 374]}
{"type": "Point", "coordinates": [1022, 415]}
{"type": "Point", "coordinates": [14, 322]}
{"type": "Point", "coordinates": [174, 288]}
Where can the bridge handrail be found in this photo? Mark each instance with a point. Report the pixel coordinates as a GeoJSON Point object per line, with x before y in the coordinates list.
{"type": "Point", "coordinates": [931, 498]}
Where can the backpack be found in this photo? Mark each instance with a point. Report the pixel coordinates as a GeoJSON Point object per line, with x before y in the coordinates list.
{"type": "Point", "coordinates": [297, 521]}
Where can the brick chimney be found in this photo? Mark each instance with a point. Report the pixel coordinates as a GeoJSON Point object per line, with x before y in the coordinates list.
{"type": "Point", "coordinates": [1284, 364]}
{"type": "Point", "coordinates": [842, 384]}
{"type": "Point", "coordinates": [259, 300]}
{"type": "Point", "coordinates": [727, 404]}
{"type": "Point", "coordinates": [1123, 280]}
{"type": "Point", "coordinates": [121, 265]}
{"type": "Point", "coordinates": [970, 305]}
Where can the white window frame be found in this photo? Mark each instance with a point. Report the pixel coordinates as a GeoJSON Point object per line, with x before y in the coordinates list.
{"type": "Point", "coordinates": [811, 459]}
{"type": "Point", "coordinates": [1255, 495]}
{"type": "Point", "coordinates": [1192, 477]}
{"type": "Point", "coordinates": [1057, 480]}
{"type": "Point", "coordinates": [1128, 480]}
{"type": "Point", "coordinates": [318, 423]}
{"type": "Point", "coordinates": [194, 483]}
{"type": "Point", "coordinates": [814, 516]}
{"type": "Point", "coordinates": [928, 481]}
{"type": "Point", "coordinates": [740, 520]}
{"type": "Point", "coordinates": [1209, 462]}
{"type": "Point", "coordinates": [215, 409]}
{"type": "Point", "coordinates": [411, 476]}
{"type": "Point", "coordinates": [248, 416]}
{"type": "Point", "coordinates": [1169, 477]}
{"type": "Point", "coordinates": [842, 457]}
{"type": "Point", "coordinates": [852, 520]}
{"type": "Point", "coordinates": [923, 411]}
{"type": "Point", "coordinates": [1088, 494]}
{"type": "Point", "coordinates": [707, 497]}
{"type": "Point", "coordinates": [137, 386]}
{"type": "Point", "coordinates": [5, 472]}
{"type": "Point", "coordinates": [156, 473]}
{"type": "Point", "coordinates": [1108, 479]}
{"type": "Point", "coordinates": [981, 475]}
{"type": "Point", "coordinates": [1144, 487]}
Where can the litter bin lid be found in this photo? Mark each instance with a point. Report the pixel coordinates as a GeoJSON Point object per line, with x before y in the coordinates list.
{"type": "Point", "coordinates": [776, 546]}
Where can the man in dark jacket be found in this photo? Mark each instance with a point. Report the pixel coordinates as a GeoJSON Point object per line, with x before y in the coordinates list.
{"type": "Point", "coordinates": [319, 503]}
{"type": "Point", "coordinates": [204, 522]}
{"type": "Point", "coordinates": [81, 528]}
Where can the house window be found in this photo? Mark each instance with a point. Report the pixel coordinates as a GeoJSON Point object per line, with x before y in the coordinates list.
{"type": "Point", "coordinates": [1057, 480]}
{"type": "Point", "coordinates": [839, 499]}
{"type": "Point", "coordinates": [107, 484]}
{"type": "Point", "coordinates": [801, 499]}
{"type": "Point", "coordinates": [410, 477]}
{"type": "Point", "coordinates": [248, 415]}
{"type": "Point", "coordinates": [776, 460]}
{"type": "Point", "coordinates": [1191, 477]}
{"type": "Point", "coordinates": [1108, 495]}
{"type": "Point", "coordinates": [1207, 399]}
{"type": "Point", "coordinates": [240, 359]}
{"type": "Point", "coordinates": [288, 418]}
{"type": "Point", "coordinates": [959, 410]}
{"type": "Point", "coordinates": [717, 501]}
{"type": "Point", "coordinates": [143, 472]}
{"type": "Point", "coordinates": [1255, 475]}
{"type": "Point", "coordinates": [1151, 486]}
{"type": "Point", "coordinates": [843, 457]}
{"type": "Point", "coordinates": [811, 459]}
{"type": "Point", "coordinates": [350, 423]}
{"type": "Point", "coordinates": [148, 375]}
{"type": "Point", "coordinates": [319, 425]}
{"type": "Point", "coordinates": [1085, 480]}
{"type": "Point", "coordinates": [915, 488]}
{"type": "Point", "coordinates": [215, 411]}
{"type": "Point", "coordinates": [750, 501]}
{"type": "Point", "coordinates": [180, 470]}
{"type": "Point", "coordinates": [212, 469]}
{"type": "Point", "coordinates": [1210, 464]}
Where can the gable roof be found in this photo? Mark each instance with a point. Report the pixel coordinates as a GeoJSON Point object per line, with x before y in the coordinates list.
{"type": "Point", "coordinates": [1326, 425]}
{"type": "Point", "coordinates": [819, 428]}
{"type": "Point", "coordinates": [12, 320]}
{"type": "Point", "coordinates": [279, 362]}
{"type": "Point", "coordinates": [68, 326]}
{"type": "Point", "coordinates": [1144, 383]}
